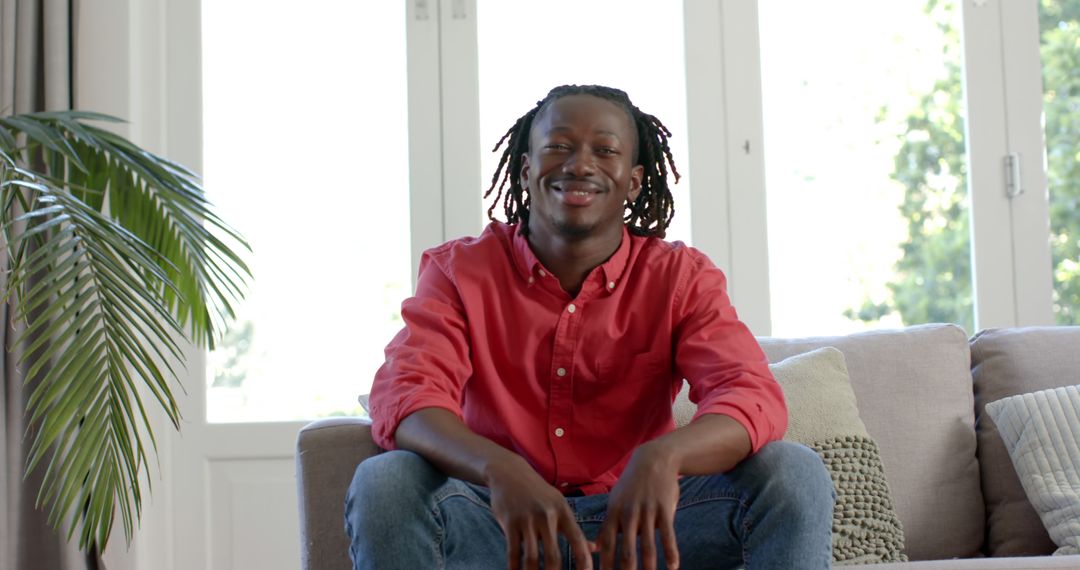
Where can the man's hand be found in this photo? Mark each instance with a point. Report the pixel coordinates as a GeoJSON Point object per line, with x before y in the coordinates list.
{"type": "Point", "coordinates": [642, 503]}
{"type": "Point", "coordinates": [533, 513]}
{"type": "Point", "coordinates": [530, 511]}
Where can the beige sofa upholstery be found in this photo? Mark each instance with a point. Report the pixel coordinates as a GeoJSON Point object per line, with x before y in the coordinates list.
{"type": "Point", "coordinates": [920, 390]}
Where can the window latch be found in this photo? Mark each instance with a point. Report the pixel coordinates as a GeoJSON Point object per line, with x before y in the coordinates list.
{"type": "Point", "coordinates": [458, 10]}
{"type": "Point", "coordinates": [1013, 181]}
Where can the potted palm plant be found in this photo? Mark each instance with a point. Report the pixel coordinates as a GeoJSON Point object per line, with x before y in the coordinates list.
{"type": "Point", "coordinates": [113, 256]}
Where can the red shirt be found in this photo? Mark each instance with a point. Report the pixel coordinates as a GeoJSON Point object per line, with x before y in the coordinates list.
{"type": "Point", "coordinates": [572, 384]}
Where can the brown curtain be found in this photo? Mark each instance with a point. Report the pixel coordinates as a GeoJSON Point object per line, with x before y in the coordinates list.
{"type": "Point", "coordinates": [36, 70]}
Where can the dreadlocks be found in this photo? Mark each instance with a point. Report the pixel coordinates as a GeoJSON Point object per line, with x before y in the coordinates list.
{"type": "Point", "coordinates": [648, 215]}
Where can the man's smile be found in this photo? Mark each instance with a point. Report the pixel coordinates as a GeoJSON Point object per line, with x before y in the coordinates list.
{"type": "Point", "coordinates": [576, 192]}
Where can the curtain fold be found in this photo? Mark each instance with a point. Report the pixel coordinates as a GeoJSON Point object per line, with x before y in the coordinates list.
{"type": "Point", "coordinates": [36, 66]}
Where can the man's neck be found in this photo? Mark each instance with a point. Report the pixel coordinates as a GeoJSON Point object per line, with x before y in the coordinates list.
{"type": "Point", "coordinates": [571, 259]}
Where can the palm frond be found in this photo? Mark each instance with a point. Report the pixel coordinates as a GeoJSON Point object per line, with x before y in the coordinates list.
{"type": "Point", "coordinates": [157, 200]}
{"type": "Point", "coordinates": [113, 254]}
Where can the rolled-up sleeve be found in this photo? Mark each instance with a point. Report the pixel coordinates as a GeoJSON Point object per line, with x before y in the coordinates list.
{"type": "Point", "coordinates": [428, 361]}
{"type": "Point", "coordinates": [720, 358]}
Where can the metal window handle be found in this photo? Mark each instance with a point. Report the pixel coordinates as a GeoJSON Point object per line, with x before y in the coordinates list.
{"type": "Point", "coordinates": [1013, 181]}
{"type": "Point", "coordinates": [457, 9]}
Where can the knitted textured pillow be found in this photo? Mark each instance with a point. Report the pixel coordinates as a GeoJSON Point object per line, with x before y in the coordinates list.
{"type": "Point", "coordinates": [823, 416]}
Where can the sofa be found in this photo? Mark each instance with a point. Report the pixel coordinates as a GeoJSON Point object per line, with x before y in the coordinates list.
{"type": "Point", "coordinates": [920, 391]}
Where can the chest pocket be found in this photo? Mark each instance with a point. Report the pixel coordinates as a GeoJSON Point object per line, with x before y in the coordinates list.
{"type": "Point", "coordinates": [623, 385]}
{"type": "Point", "coordinates": [626, 369]}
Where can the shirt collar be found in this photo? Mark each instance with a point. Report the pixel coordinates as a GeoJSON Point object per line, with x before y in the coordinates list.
{"type": "Point", "coordinates": [611, 270]}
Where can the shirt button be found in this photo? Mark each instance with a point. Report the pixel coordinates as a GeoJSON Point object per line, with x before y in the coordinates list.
{"type": "Point", "coordinates": [611, 285]}
{"type": "Point", "coordinates": [542, 274]}
{"type": "Point", "coordinates": [561, 372]}
{"type": "Point", "coordinates": [571, 308]}
{"type": "Point", "coordinates": [559, 432]}
{"type": "Point", "coordinates": [532, 280]}
{"type": "Point", "coordinates": [564, 484]}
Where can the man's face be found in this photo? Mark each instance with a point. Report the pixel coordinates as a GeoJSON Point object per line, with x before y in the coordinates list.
{"type": "Point", "coordinates": [580, 169]}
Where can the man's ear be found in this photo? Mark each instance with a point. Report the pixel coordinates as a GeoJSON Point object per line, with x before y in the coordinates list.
{"type": "Point", "coordinates": [525, 171]}
{"type": "Point", "coordinates": [636, 174]}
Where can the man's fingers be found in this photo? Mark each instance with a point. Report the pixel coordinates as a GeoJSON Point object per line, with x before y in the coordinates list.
{"type": "Point", "coordinates": [513, 548]}
{"type": "Point", "coordinates": [606, 540]}
{"type": "Point", "coordinates": [667, 538]}
{"type": "Point", "coordinates": [579, 546]}
{"type": "Point", "coordinates": [532, 548]}
{"type": "Point", "coordinates": [629, 530]}
{"type": "Point", "coordinates": [648, 541]}
{"type": "Point", "coordinates": [552, 556]}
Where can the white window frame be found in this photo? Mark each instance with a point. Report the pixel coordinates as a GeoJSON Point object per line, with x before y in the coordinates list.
{"type": "Point", "coordinates": [724, 114]}
{"type": "Point", "coordinates": [1010, 236]}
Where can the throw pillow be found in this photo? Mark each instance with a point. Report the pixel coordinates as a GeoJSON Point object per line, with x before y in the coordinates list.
{"type": "Point", "coordinates": [823, 415]}
{"type": "Point", "coordinates": [1041, 431]}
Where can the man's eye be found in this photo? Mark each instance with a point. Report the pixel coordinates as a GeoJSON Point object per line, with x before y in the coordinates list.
{"type": "Point", "coordinates": [557, 146]}
{"type": "Point", "coordinates": [607, 150]}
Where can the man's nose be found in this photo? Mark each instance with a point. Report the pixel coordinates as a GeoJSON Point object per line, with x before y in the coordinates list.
{"type": "Point", "coordinates": [580, 162]}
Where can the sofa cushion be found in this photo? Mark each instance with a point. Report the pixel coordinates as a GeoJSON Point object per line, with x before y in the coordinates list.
{"type": "Point", "coordinates": [913, 386]}
{"type": "Point", "coordinates": [824, 416]}
{"type": "Point", "coordinates": [1041, 431]}
{"type": "Point", "coordinates": [1007, 362]}
{"type": "Point", "coordinates": [1025, 563]}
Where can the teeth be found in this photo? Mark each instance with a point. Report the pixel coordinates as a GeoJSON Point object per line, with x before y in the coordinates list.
{"type": "Point", "coordinates": [579, 193]}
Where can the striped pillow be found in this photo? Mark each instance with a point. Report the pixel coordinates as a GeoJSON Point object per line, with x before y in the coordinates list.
{"type": "Point", "coordinates": [1041, 431]}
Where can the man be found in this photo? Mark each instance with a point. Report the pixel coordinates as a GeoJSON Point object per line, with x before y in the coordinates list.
{"type": "Point", "coordinates": [527, 401]}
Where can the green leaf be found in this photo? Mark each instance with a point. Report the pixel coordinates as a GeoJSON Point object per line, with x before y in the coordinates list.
{"type": "Point", "coordinates": [104, 297]}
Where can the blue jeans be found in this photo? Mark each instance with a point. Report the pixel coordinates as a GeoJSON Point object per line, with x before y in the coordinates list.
{"type": "Point", "coordinates": [774, 510]}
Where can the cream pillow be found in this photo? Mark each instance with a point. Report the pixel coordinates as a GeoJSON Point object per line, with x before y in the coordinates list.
{"type": "Point", "coordinates": [823, 415]}
{"type": "Point", "coordinates": [1041, 431]}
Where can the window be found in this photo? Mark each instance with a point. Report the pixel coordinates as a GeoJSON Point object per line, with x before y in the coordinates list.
{"type": "Point", "coordinates": [306, 153]}
{"type": "Point", "coordinates": [865, 165]}
{"type": "Point", "coordinates": [1059, 26]}
{"type": "Point", "coordinates": [865, 161]}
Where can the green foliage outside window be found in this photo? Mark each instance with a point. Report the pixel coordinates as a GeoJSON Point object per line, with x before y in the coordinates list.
{"type": "Point", "coordinates": [932, 281]}
{"type": "Point", "coordinates": [1060, 25]}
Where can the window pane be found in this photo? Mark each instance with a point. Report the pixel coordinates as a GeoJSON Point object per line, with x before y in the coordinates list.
{"type": "Point", "coordinates": [1060, 51]}
{"type": "Point", "coordinates": [865, 165]}
{"type": "Point", "coordinates": [305, 152]}
{"type": "Point", "coordinates": [638, 48]}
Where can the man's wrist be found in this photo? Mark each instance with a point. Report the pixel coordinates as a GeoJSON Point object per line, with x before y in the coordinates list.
{"type": "Point", "coordinates": [508, 465]}
{"type": "Point", "coordinates": [658, 454]}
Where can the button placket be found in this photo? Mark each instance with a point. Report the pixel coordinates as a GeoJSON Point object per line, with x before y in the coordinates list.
{"type": "Point", "coordinates": [560, 412]}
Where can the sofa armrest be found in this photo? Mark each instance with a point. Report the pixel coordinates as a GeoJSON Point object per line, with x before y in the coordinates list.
{"type": "Point", "coordinates": [327, 453]}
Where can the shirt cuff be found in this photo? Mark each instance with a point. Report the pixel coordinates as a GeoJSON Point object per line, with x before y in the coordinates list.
{"type": "Point", "coordinates": [385, 420]}
{"type": "Point", "coordinates": [758, 425]}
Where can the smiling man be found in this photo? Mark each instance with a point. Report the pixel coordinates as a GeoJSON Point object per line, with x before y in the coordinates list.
{"type": "Point", "coordinates": [526, 403]}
